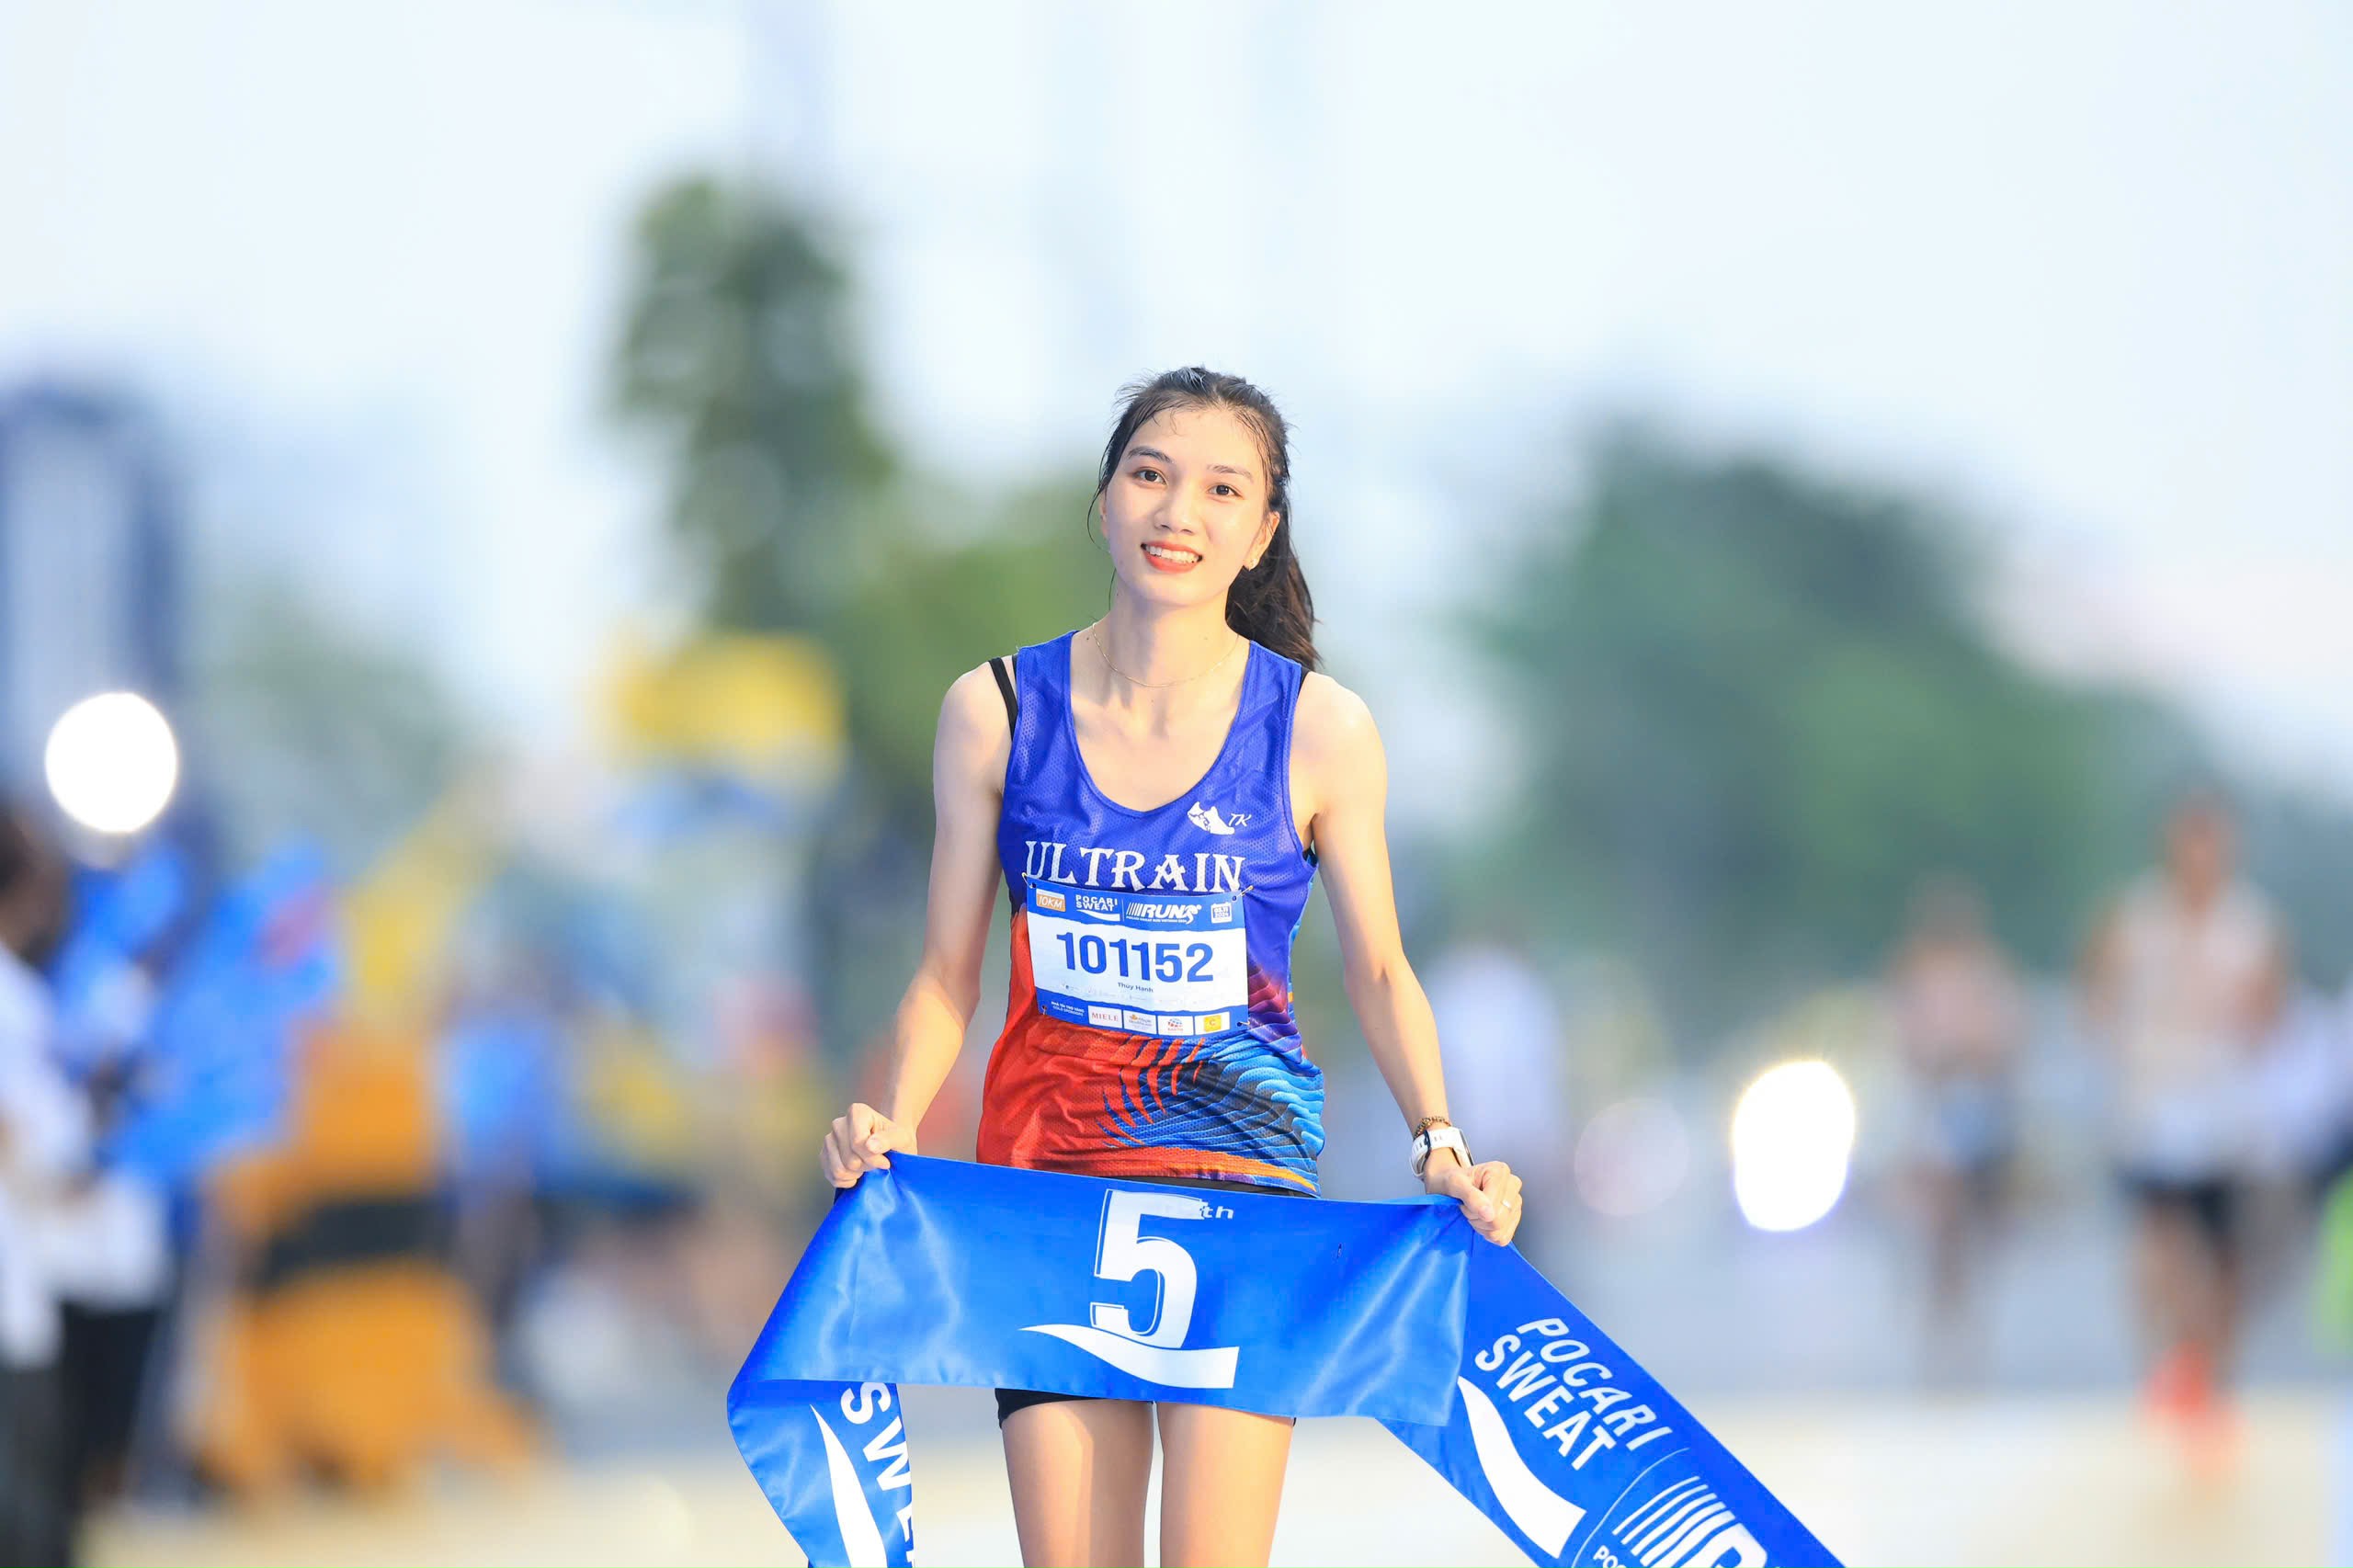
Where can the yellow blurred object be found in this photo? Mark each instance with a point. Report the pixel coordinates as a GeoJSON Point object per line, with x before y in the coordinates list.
{"type": "Point", "coordinates": [763, 1131]}
{"type": "Point", "coordinates": [767, 707]}
{"type": "Point", "coordinates": [362, 1125]}
{"type": "Point", "coordinates": [399, 917]}
{"type": "Point", "coordinates": [364, 1119]}
{"type": "Point", "coordinates": [365, 1371]}
{"type": "Point", "coordinates": [641, 1100]}
{"type": "Point", "coordinates": [348, 1343]}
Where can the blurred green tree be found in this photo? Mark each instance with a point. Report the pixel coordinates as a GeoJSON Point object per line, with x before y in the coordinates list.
{"type": "Point", "coordinates": [1758, 707]}
{"type": "Point", "coordinates": [1026, 573]}
{"type": "Point", "coordinates": [737, 347]}
{"type": "Point", "coordinates": [316, 731]}
{"type": "Point", "coordinates": [1030, 570]}
{"type": "Point", "coordinates": [792, 509]}
{"type": "Point", "coordinates": [2299, 849]}
{"type": "Point", "coordinates": [794, 513]}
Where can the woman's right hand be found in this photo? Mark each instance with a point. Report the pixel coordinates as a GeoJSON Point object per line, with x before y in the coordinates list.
{"type": "Point", "coordinates": [860, 1141]}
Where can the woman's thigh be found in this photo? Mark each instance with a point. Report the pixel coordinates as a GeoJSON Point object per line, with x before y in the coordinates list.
{"type": "Point", "coordinates": [1079, 1467]}
{"type": "Point", "coordinates": [1220, 1484]}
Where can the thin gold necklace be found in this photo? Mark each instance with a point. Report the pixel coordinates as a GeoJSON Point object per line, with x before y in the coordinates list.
{"type": "Point", "coordinates": [1105, 655]}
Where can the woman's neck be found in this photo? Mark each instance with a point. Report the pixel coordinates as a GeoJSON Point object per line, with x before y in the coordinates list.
{"type": "Point", "coordinates": [1157, 646]}
{"type": "Point", "coordinates": [1167, 659]}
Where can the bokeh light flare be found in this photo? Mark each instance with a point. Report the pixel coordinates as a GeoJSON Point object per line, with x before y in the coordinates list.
{"type": "Point", "coordinates": [111, 762]}
{"type": "Point", "coordinates": [1792, 1135]}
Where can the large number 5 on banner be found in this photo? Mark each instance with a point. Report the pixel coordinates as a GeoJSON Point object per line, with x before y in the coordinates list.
{"type": "Point", "coordinates": [1123, 1252]}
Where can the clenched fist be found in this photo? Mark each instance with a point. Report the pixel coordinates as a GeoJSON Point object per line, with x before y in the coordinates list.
{"type": "Point", "coordinates": [1489, 1195]}
{"type": "Point", "coordinates": [860, 1140]}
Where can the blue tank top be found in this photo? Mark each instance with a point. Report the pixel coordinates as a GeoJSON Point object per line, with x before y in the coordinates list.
{"type": "Point", "coordinates": [1149, 1028]}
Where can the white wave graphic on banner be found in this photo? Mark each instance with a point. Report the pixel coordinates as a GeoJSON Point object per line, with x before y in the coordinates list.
{"type": "Point", "coordinates": [1542, 1515]}
{"type": "Point", "coordinates": [860, 1541]}
{"type": "Point", "coordinates": [1176, 1368]}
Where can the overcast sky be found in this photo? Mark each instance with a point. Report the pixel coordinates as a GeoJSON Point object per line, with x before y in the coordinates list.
{"type": "Point", "coordinates": [2088, 268]}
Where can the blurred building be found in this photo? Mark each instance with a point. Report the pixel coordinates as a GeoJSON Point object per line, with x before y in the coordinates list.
{"type": "Point", "coordinates": [89, 559]}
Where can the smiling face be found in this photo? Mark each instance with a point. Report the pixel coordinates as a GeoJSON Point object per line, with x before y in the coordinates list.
{"type": "Point", "coordinates": [1186, 507]}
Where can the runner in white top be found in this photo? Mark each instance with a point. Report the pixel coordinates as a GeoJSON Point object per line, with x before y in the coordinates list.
{"type": "Point", "coordinates": [44, 1137]}
{"type": "Point", "coordinates": [1960, 1019]}
{"type": "Point", "coordinates": [2182, 983]}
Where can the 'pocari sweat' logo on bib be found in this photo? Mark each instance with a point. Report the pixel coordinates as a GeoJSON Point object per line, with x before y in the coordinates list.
{"type": "Point", "coordinates": [1155, 1351]}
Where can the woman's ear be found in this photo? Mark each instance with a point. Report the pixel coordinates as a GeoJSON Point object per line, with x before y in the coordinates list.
{"type": "Point", "coordinates": [1265, 540]}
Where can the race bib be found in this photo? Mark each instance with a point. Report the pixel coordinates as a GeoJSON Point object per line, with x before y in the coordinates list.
{"type": "Point", "coordinates": [1171, 965]}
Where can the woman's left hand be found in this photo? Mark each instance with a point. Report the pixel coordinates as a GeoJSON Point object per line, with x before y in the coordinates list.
{"type": "Point", "coordinates": [1489, 1194]}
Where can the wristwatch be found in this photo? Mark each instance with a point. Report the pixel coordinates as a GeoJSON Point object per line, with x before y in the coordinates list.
{"type": "Point", "coordinates": [1435, 1132]}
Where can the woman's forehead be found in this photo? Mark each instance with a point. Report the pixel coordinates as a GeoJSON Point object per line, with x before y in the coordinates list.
{"type": "Point", "coordinates": [1200, 436]}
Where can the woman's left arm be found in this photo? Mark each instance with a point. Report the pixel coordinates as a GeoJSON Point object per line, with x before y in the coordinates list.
{"type": "Point", "coordinates": [1340, 782]}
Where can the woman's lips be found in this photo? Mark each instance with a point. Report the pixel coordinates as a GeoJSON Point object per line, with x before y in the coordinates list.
{"type": "Point", "coordinates": [1179, 559]}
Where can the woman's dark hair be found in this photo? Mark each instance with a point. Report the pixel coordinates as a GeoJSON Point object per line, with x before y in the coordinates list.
{"type": "Point", "coordinates": [1268, 603]}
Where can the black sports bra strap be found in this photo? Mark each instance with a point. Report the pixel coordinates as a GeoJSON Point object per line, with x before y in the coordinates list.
{"type": "Point", "coordinates": [1012, 698]}
{"type": "Point", "coordinates": [1013, 723]}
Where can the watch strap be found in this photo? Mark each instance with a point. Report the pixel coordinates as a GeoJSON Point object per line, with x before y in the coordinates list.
{"type": "Point", "coordinates": [1429, 1140]}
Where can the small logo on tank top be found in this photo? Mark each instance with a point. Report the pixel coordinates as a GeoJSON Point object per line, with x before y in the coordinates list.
{"type": "Point", "coordinates": [1206, 816]}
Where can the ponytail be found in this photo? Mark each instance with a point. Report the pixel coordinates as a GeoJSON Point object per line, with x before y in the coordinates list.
{"type": "Point", "coordinates": [1269, 602]}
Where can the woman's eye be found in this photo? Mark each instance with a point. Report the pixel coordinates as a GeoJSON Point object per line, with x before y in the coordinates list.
{"type": "Point", "coordinates": [1147, 474]}
{"type": "Point", "coordinates": [1228, 490]}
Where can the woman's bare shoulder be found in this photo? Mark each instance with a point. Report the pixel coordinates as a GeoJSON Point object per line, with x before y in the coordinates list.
{"type": "Point", "coordinates": [1331, 714]}
{"type": "Point", "coordinates": [1333, 732]}
{"type": "Point", "coordinates": [974, 725]}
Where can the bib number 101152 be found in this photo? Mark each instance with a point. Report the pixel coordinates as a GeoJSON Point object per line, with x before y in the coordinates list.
{"type": "Point", "coordinates": [1167, 962]}
{"type": "Point", "coordinates": [1173, 965]}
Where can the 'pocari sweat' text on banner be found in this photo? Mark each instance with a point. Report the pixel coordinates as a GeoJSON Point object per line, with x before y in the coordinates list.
{"type": "Point", "coordinates": [942, 1272]}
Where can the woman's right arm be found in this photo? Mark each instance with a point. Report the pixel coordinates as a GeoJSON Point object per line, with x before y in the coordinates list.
{"type": "Point", "coordinates": [968, 793]}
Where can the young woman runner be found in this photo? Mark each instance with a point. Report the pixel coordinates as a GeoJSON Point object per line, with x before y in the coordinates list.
{"type": "Point", "coordinates": [1155, 793]}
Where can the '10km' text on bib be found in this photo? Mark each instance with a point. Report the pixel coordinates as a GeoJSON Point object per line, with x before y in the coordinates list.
{"type": "Point", "coordinates": [1173, 965]}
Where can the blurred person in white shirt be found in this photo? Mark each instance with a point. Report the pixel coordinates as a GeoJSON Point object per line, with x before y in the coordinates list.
{"type": "Point", "coordinates": [44, 1143]}
{"type": "Point", "coordinates": [2183, 982]}
{"type": "Point", "coordinates": [106, 1246]}
{"type": "Point", "coordinates": [1960, 1013]}
{"type": "Point", "coordinates": [2301, 1096]}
